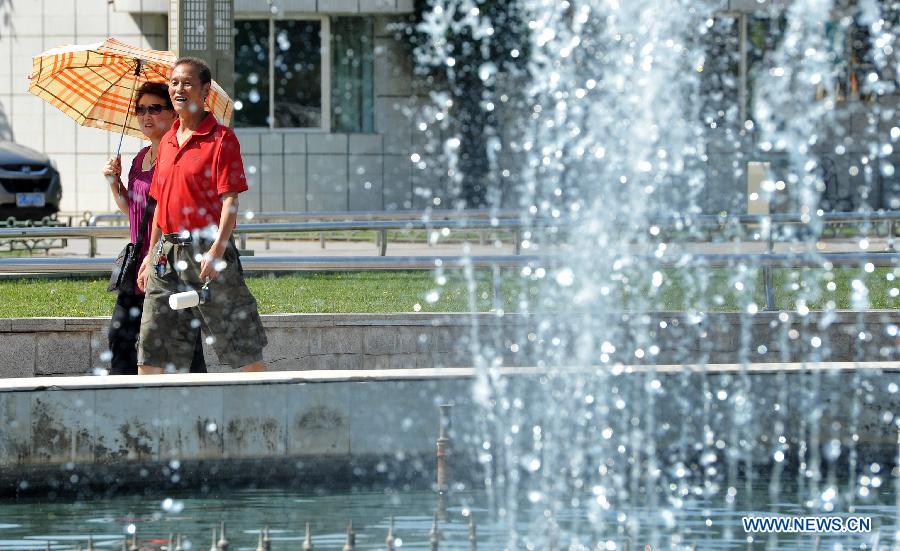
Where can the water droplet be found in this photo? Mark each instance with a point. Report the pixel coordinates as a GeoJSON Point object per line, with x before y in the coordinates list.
{"type": "Point", "coordinates": [565, 277]}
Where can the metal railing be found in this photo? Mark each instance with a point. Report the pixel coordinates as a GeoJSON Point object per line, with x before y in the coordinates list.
{"type": "Point", "coordinates": [769, 222]}
{"type": "Point", "coordinates": [890, 216]}
{"type": "Point", "coordinates": [96, 265]}
{"type": "Point", "coordinates": [479, 220]}
{"type": "Point", "coordinates": [241, 231]}
{"type": "Point", "coordinates": [786, 218]}
{"type": "Point", "coordinates": [75, 266]}
{"type": "Point", "coordinates": [31, 244]}
{"type": "Point", "coordinates": [437, 214]}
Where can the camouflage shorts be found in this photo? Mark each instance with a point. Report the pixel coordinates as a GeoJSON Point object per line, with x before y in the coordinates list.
{"type": "Point", "coordinates": [229, 319]}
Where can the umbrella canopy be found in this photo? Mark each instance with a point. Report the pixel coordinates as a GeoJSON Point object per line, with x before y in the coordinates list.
{"type": "Point", "coordinates": [95, 83]}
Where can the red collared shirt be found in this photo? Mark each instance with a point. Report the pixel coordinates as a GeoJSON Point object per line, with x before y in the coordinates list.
{"type": "Point", "coordinates": [190, 179]}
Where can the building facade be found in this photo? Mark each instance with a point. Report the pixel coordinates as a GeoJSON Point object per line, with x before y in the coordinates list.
{"type": "Point", "coordinates": [335, 135]}
{"type": "Point", "coordinates": [327, 99]}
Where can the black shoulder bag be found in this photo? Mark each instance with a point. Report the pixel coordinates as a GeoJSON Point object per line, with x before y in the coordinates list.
{"type": "Point", "coordinates": [122, 277]}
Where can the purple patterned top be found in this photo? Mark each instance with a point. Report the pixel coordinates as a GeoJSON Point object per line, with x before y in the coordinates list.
{"type": "Point", "coordinates": [138, 187]}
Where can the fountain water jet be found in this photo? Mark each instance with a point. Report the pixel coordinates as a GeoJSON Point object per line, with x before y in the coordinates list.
{"type": "Point", "coordinates": [611, 127]}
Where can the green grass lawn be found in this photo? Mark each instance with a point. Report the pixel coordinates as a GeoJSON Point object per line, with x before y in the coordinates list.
{"type": "Point", "coordinates": [408, 291]}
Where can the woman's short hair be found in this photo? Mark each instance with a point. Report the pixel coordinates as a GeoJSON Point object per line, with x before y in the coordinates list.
{"type": "Point", "coordinates": [199, 65]}
{"type": "Point", "coordinates": [159, 89]}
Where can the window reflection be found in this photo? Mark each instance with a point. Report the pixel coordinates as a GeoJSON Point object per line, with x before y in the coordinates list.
{"type": "Point", "coordinates": [251, 73]}
{"type": "Point", "coordinates": [298, 74]}
{"type": "Point", "coordinates": [296, 53]}
{"type": "Point", "coordinates": [352, 82]}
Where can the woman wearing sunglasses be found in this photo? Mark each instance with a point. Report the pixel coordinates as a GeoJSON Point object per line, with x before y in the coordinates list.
{"type": "Point", "coordinates": [155, 115]}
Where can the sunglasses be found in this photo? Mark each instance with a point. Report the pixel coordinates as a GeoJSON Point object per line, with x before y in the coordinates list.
{"type": "Point", "coordinates": [154, 109]}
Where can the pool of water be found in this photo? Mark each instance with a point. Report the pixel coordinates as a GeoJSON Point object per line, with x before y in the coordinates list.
{"type": "Point", "coordinates": [707, 523]}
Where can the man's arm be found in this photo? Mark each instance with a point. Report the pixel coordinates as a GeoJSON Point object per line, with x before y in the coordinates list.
{"type": "Point", "coordinates": [226, 225]}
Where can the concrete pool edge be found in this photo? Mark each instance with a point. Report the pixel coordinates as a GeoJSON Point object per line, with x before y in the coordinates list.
{"type": "Point", "coordinates": [360, 425]}
{"type": "Point", "coordinates": [20, 384]}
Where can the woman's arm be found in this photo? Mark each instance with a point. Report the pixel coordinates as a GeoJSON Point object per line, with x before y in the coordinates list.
{"type": "Point", "coordinates": [113, 172]}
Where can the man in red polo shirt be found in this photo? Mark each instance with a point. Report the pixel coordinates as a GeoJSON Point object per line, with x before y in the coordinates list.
{"type": "Point", "coordinates": [198, 178]}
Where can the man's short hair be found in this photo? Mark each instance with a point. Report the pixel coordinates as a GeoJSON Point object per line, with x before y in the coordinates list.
{"type": "Point", "coordinates": [200, 66]}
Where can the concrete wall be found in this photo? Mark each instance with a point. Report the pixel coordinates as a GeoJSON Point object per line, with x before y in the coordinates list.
{"type": "Point", "coordinates": [323, 428]}
{"type": "Point", "coordinates": [75, 346]}
{"type": "Point", "coordinates": [331, 417]}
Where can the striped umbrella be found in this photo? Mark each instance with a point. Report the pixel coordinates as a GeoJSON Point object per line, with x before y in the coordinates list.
{"type": "Point", "coordinates": [95, 83]}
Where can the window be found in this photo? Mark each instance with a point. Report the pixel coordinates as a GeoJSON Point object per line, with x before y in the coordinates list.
{"type": "Point", "coordinates": [298, 74]}
{"type": "Point", "coordinates": [719, 69]}
{"type": "Point", "coordinates": [251, 73]}
{"type": "Point", "coordinates": [352, 81]}
{"type": "Point", "coordinates": [304, 73]}
{"type": "Point", "coordinates": [280, 69]}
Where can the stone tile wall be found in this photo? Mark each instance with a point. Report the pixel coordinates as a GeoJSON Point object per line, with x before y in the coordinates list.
{"type": "Point", "coordinates": [74, 346]}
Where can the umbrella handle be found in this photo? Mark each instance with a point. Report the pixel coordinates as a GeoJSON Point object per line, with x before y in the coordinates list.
{"type": "Point", "coordinates": [137, 73]}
